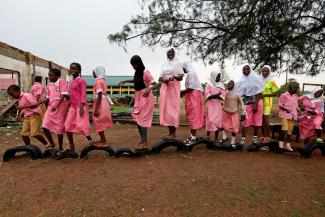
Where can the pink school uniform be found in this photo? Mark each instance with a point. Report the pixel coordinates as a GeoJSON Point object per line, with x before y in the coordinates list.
{"type": "Point", "coordinates": [214, 112]}
{"type": "Point", "coordinates": [290, 102]}
{"type": "Point", "coordinates": [28, 99]}
{"type": "Point", "coordinates": [144, 106]}
{"type": "Point", "coordinates": [37, 89]}
{"type": "Point", "coordinates": [74, 122]}
{"type": "Point", "coordinates": [233, 106]}
{"type": "Point", "coordinates": [104, 119]}
{"type": "Point", "coordinates": [54, 121]}
{"type": "Point", "coordinates": [311, 122]}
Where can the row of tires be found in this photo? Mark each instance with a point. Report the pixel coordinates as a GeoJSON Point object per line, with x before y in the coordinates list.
{"type": "Point", "coordinates": [35, 153]}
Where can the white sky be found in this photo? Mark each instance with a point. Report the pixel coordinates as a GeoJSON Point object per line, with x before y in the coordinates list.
{"type": "Point", "coordinates": [66, 31]}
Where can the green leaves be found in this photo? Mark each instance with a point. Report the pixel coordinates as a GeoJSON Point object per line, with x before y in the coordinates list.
{"type": "Point", "coordinates": [287, 34]}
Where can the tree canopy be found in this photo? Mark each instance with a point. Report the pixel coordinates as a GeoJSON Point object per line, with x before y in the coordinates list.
{"type": "Point", "coordinates": [286, 34]}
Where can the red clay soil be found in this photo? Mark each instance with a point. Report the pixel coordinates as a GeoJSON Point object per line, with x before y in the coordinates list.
{"type": "Point", "coordinates": [200, 183]}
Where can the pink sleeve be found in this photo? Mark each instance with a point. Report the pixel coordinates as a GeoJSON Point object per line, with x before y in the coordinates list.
{"type": "Point", "coordinates": [37, 90]}
{"type": "Point", "coordinates": [280, 103]}
{"type": "Point", "coordinates": [319, 107]}
{"type": "Point", "coordinates": [147, 78]}
{"type": "Point", "coordinates": [207, 91]}
{"type": "Point", "coordinates": [223, 92]}
{"type": "Point", "coordinates": [47, 91]}
{"type": "Point", "coordinates": [83, 89]}
{"type": "Point", "coordinates": [63, 87]}
{"type": "Point", "coordinates": [99, 86]}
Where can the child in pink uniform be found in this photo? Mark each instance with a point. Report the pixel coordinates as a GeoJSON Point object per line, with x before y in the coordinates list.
{"type": "Point", "coordinates": [102, 118]}
{"type": "Point", "coordinates": [288, 105]}
{"type": "Point", "coordinates": [29, 110]}
{"type": "Point", "coordinates": [54, 117]}
{"type": "Point", "coordinates": [233, 106]}
{"type": "Point", "coordinates": [143, 111]}
{"type": "Point", "coordinates": [250, 88]}
{"type": "Point", "coordinates": [214, 93]}
{"type": "Point", "coordinates": [312, 106]}
{"type": "Point", "coordinates": [193, 101]}
{"type": "Point", "coordinates": [170, 101]}
{"type": "Point", "coordinates": [77, 120]}
{"type": "Point", "coordinates": [38, 92]}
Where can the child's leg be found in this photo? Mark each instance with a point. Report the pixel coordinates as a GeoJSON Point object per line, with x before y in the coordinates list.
{"type": "Point", "coordinates": [41, 139]}
{"type": "Point", "coordinates": [233, 138]}
{"type": "Point", "coordinates": [103, 140]}
{"type": "Point", "coordinates": [60, 141]}
{"type": "Point", "coordinates": [26, 140]}
{"type": "Point", "coordinates": [208, 134]}
{"type": "Point", "coordinates": [281, 138]}
{"type": "Point", "coordinates": [90, 139]}
{"type": "Point", "coordinates": [266, 126]}
{"type": "Point", "coordinates": [144, 138]}
{"type": "Point", "coordinates": [71, 142]}
{"type": "Point", "coordinates": [172, 131]}
{"type": "Point", "coordinates": [291, 125]}
{"type": "Point", "coordinates": [243, 136]}
{"type": "Point", "coordinates": [193, 132]}
{"type": "Point", "coordinates": [223, 134]}
{"type": "Point", "coordinates": [216, 135]}
{"type": "Point", "coordinates": [49, 137]}
{"type": "Point", "coordinates": [256, 129]}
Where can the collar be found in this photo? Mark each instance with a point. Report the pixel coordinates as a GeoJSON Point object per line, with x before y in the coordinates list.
{"type": "Point", "coordinates": [57, 82]}
{"type": "Point", "coordinates": [77, 77]}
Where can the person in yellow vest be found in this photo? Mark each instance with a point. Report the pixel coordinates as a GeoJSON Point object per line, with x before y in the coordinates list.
{"type": "Point", "coordinates": [270, 90]}
{"type": "Point", "coordinates": [38, 92]}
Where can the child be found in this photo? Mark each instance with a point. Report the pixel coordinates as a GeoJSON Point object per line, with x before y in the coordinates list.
{"type": "Point", "coordinates": [214, 93]}
{"type": "Point", "coordinates": [29, 110]}
{"type": "Point", "coordinates": [144, 102]}
{"type": "Point", "coordinates": [54, 117]}
{"type": "Point", "coordinates": [77, 120]}
{"type": "Point", "coordinates": [170, 103]}
{"type": "Point", "coordinates": [193, 101]}
{"type": "Point", "coordinates": [312, 107]}
{"type": "Point", "coordinates": [102, 117]}
{"type": "Point", "coordinates": [38, 92]}
{"type": "Point", "coordinates": [250, 88]}
{"type": "Point", "coordinates": [233, 106]}
{"type": "Point", "coordinates": [270, 90]}
{"type": "Point", "coordinates": [288, 105]}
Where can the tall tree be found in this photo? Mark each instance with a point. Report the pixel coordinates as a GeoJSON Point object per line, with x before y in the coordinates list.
{"type": "Point", "coordinates": [287, 34]}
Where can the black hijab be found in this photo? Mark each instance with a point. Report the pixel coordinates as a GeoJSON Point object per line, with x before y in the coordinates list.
{"type": "Point", "coordinates": [138, 75]}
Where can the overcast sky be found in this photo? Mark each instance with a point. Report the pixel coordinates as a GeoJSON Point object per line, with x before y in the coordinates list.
{"type": "Point", "coordinates": [65, 31]}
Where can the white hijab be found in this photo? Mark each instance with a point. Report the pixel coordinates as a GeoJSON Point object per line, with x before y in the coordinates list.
{"type": "Point", "coordinates": [99, 72]}
{"type": "Point", "coordinates": [269, 77]}
{"type": "Point", "coordinates": [212, 82]}
{"type": "Point", "coordinates": [171, 67]}
{"type": "Point", "coordinates": [249, 85]}
{"type": "Point", "coordinates": [312, 95]}
{"type": "Point", "coordinates": [192, 79]}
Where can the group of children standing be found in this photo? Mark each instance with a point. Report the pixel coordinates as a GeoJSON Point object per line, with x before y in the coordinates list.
{"type": "Point", "coordinates": [248, 101]}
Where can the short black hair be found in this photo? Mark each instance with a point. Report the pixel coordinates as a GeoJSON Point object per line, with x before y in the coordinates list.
{"type": "Point", "coordinates": [13, 87]}
{"type": "Point", "coordinates": [56, 71]}
{"type": "Point", "coordinates": [38, 79]}
{"type": "Point", "coordinates": [76, 64]}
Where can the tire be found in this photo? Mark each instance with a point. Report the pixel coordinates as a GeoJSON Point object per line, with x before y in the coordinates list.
{"type": "Point", "coordinates": [311, 147]}
{"type": "Point", "coordinates": [129, 153]}
{"type": "Point", "coordinates": [164, 143]}
{"type": "Point", "coordinates": [33, 151]}
{"type": "Point", "coordinates": [51, 153]}
{"type": "Point", "coordinates": [255, 146]}
{"type": "Point", "coordinates": [88, 148]}
{"type": "Point", "coordinates": [68, 154]}
{"type": "Point", "coordinates": [200, 140]}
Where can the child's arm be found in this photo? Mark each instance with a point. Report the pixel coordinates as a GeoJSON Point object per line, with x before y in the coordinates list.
{"type": "Point", "coordinates": [258, 97]}
{"type": "Point", "coordinates": [153, 86]}
{"type": "Point", "coordinates": [241, 107]}
{"type": "Point", "coordinates": [126, 81]}
{"type": "Point", "coordinates": [83, 100]}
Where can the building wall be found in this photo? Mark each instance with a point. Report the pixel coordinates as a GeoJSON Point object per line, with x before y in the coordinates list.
{"type": "Point", "coordinates": [25, 66]}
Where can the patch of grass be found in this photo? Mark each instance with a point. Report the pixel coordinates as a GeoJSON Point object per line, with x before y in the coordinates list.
{"type": "Point", "coordinates": [120, 108]}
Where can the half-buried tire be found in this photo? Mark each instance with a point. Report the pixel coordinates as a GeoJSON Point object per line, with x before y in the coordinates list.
{"type": "Point", "coordinates": [200, 140]}
{"type": "Point", "coordinates": [126, 152]}
{"type": "Point", "coordinates": [51, 153]}
{"type": "Point", "coordinates": [33, 151]}
{"type": "Point", "coordinates": [311, 147]}
{"type": "Point", "coordinates": [88, 148]}
{"type": "Point", "coordinates": [164, 143]}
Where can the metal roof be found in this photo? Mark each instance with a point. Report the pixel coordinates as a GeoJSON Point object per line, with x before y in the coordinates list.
{"type": "Point", "coordinates": [111, 80]}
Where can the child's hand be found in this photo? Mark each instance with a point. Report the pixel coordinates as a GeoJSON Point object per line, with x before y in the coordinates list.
{"type": "Point", "coordinates": [18, 117]}
{"type": "Point", "coordinates": [54, 108]}
{"type": "Point", "coordinates": [146, 92]}
{"type": "Point", "coordinates": [242, 117]}
{"type": "Point", "coordinates": [19, 108]}
{"type": "Point", "coordinates": [81, 111]}
{"type": "Point", "coordinates": [255, 108]}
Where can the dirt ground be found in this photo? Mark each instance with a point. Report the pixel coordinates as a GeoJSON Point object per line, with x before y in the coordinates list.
{"type": "Point", "coordinates": [200, 183]}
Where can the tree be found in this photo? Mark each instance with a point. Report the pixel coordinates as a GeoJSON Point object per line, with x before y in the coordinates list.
{"type": "Point", "coordinates": [287, 34]}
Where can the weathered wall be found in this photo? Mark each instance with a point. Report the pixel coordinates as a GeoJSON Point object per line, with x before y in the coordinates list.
{"type": "Point", "coordinates": [24, 66]}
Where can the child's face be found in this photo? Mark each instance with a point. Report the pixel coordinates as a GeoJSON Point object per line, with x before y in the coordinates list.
{"type": "Point", "coordinates": [218, 78]}
{"type": "Point", "coordinates": [53, 77]}
{"type": "Point", "coordinates": [230, 85]}
{"type": "Point", "coordinates": [14, 94]}
{"type": "Point", "coordinates": [74, 70]}
{"type": "Point", "coordinates": [246, 70]}
{"type": "Point", "coordinates": [171, 54]}
{"type": "Point", "coordinates": [293, 88]}
{"type": "Point", "coordinates": [265, 72]}
{"type": "Point", "coordinates": [318, 94]}
{"type": "Point", "coordinates": [134, 66]}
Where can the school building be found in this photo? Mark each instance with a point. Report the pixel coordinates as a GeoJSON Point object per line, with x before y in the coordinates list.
{"type": "Point", "coordinates": [113, 88]}
{"type": "Point", "coordinates": [20, 67]}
